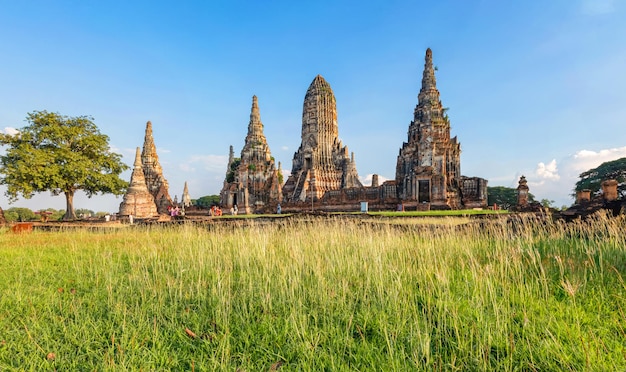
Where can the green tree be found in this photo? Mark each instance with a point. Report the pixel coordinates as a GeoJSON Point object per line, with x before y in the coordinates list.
{"type": "Point", "coordinates": [85, 212]}
{"type": "Point", "coordinates": [19, 214]}
{"type": "Point", "coordinates": [505, 197]}
{"type": "Point", "coordinates": [547, 203]}
{"type": "Point", "coordinates": [592, 179]}
{"type": "Point", "coordinates": [60, 154]}
{"type": "Point", "coordinates": [206, 201]}
{"type": "Point", "coordinates": [230, 175]}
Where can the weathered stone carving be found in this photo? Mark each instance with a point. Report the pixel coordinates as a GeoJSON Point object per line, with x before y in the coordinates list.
{"type": "Point", "coordinates": [428, 169]}
{"type": "Point", "coordinates": [321, 163]}
{"type": "Point", "coordinates": [138, 201]}
{"type": "Point", "coordinates": [252, 183]}
{"type": "Point", "coordinates": [155, 181]}
{"type": "Point", "coordinates": [522, 192]}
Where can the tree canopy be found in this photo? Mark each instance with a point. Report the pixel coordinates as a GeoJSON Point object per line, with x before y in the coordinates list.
{"type": "Point", "coordinates": [505, 197]}
{"type": "Point", "coordinates": [206, 201]}
{"type": "Point", "coordinates": [60, 154]}
{"type": "Point", "coordinates": [592, 179]}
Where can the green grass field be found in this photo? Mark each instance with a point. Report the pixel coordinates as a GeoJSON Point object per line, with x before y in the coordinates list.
{"type": "Point", "coordinates": [321, 294]}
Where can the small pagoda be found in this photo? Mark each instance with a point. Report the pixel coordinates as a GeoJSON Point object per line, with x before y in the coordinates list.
{"type": "Point", "coordinates": [138, 201]}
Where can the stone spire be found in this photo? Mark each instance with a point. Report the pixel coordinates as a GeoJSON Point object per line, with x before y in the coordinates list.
{"type": "Point", "coordinates": [428, 167]}
{"type": "Point", "coordinates": [254, 184]}
{"type": "Point", "coordinates": [186, 197]}
{"type": "Point", "coordinates": [138, 201]}
{"type": "Point", "coordinates": [155, 181]}
{"type": "Point", "coordinates": [429, 82]}
{"type": "Point", "coordinates": [321, 163]}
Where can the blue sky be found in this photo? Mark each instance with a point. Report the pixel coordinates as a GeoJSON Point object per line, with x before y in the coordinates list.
{"type": "Point", "coordinates": [533, 87]}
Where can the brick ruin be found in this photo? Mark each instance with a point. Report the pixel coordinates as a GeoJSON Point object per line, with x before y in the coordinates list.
{"type": "Point", "coordinates": [428, 169]}
{"type": "Point", "coordinates": [138, 201]}
{"type": "Point", "coordinates": [587, 204]}
{"type": "Point", "coordinates": [322, 163]}
{"type": "Point", "coordinates": [252, 182]}
{"type": "Point", "coordinates": [324, 175]}
{"type": "Point", "coordinates": [186, 198]}
{"type": "Point", "coordinates": [156, 183]}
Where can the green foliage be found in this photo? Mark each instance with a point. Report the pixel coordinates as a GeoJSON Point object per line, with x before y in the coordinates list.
{"type": "Point", "coordinates": [322, 295]}
{"type": "Point", "coordinates": [85, 212]}
{"type": "Point", "coordinates": [280, 178]}
{"type": "Point", "coordinates": [16, 214]}
{"type": "Point", "coordinates": [206, 201]}
{"type": "Point", "coordinates": [592, 179]}
{"type": "Point", "coordinates": [251, 167]}
{"type": "Point", "coordinates": [59, 154]}
{"type": "Point", "coordinates": [547, 203]}
{"type": "Point", "coordinates": [505, 197]}
{"type": "Point", "coordinates": [230, 176]}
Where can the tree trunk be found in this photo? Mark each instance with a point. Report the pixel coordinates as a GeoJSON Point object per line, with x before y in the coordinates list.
{"type": "Point", "coordinates": [69, 206]}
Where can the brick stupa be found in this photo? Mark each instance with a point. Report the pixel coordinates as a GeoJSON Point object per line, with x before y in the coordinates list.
{"type": "Point", "coordinates": [253, 185]}
{"type": "Point", "coordinates": [153, 173]}
{"type": "Point", "coordinates": [321, 163]}
{"type": "Point", "coordinates": [186, 197]}
{"type": "Point", "coordinates": [138, 201]}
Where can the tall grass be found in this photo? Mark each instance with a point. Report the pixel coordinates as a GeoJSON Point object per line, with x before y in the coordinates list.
{"type": "Point", "coordinates": [322, 294]}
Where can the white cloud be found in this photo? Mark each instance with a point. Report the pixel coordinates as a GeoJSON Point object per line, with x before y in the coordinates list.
{"type": "Point", "coordinates": [597, 7]}
{"type": "Point", "coordinates": [11, 131]}
{"type": "Point", "coordinates": [163, 151]}
{"type": "Point", "coordinates": [557, 183]}
{"type": "Point", "coordinates": [284, 148]}
{"type": "Point", "coordinates": [548, 171]}
{"type": "Point", "coordinates": [210, 163]}
{"type": "Point", "coordinates": [585, 159]}
{"type": "Point", "coordinates": [186, 167]}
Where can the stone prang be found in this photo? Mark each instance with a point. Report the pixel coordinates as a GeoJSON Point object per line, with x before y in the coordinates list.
{"type": "Point", "coordinates": [155, 181]}
{"type": "Point", "coordinates": [321, 163]}
{"type": "Point", "coordinates": [252, 183]}
{"type": "Point", "coordinates": [138, 201]}
{"type": "Point", "coordinates": [428, 170]}
{"type": "Point", "coordinates": [186, 197]}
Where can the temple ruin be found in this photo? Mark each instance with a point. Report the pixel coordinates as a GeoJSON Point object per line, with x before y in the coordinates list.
{"type": "Point", "coordinates": [428, 170]}
{"type": "Point", "coordinates": [155, 181]}
{"type": "Point", "coordinates": [138, 201]}
{"type": "Point", "coordinates": [324, 175]}
{"type": "Point", "coordinates": [186, 202]}
{"type": "Point", "coordinates": [252, 182]}
{"type": "Point", "coordinates": [321, 163]}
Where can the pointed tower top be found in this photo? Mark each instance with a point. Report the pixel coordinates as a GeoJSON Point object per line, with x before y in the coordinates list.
{"type": "Point", "coordinates": [319, 83]}
{"type": "Point", "coordinates": [428, 79]}
{"type": "Point", "coordinates": [255, 126]}
{"type": "Point", "coordinates": [138, 158]}
{"type": "Point", "coordinates": [137, 178]}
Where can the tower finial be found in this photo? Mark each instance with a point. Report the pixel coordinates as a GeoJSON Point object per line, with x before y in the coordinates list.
{"type": "Point", "coordinates": [428, 79]}
{"type": "Point", "coordinates": [138, 158]}
{"type": "Point", "coordinates": [255, 127]}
